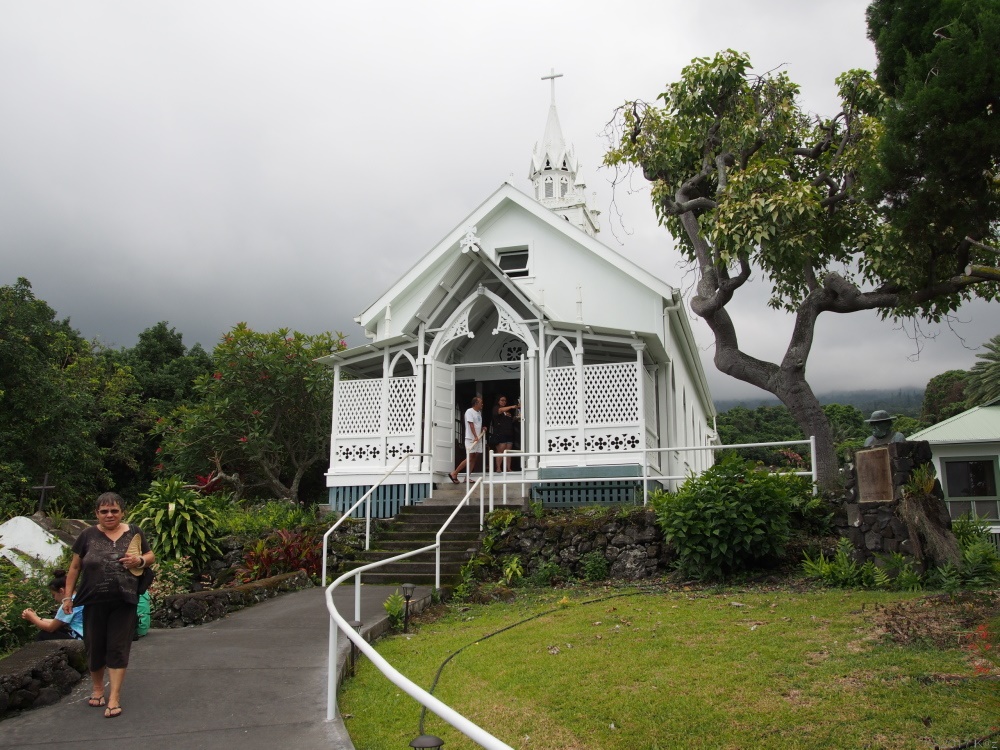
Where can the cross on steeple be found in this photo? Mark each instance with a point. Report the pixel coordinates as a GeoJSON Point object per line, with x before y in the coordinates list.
{"type": "Point", "coordinates": [552, 76]}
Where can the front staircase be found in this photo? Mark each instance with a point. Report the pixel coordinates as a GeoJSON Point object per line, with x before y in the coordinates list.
{"type": "Point", "coordinates": [416, 526]}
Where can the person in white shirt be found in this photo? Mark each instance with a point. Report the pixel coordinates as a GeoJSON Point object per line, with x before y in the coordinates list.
{"type": "Point", "coordinates": [474, 439]}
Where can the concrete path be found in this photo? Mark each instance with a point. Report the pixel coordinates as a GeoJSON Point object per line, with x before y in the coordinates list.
{"type": "Point", "coordinates": [254, 680]}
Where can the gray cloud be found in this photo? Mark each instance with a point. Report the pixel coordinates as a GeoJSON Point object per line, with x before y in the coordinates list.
{"type": "Point", "coordinates": [282, 164]}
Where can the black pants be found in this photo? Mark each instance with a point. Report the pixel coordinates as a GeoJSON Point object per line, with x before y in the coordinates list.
{"type": "Point", "coordinates": [108, 628]}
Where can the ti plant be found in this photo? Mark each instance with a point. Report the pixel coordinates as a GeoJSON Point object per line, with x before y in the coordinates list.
{"type": "Point", "coordinates": [180, 521]}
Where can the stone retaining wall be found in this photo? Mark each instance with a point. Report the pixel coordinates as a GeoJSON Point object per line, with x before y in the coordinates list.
{"type": "Point", "coordinates": [181, 610]}
{"type": "Point", "coordinates": [632, 544]}
{"type": "Point", "coordinates": [40, 673]}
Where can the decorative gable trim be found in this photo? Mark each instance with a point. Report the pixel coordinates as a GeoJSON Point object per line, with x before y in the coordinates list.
{"type": "Point", "coordinates": [457, 324]}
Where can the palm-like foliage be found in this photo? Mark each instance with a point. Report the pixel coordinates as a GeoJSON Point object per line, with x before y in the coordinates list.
{"type": "Point", "coordinates": [984, 378]}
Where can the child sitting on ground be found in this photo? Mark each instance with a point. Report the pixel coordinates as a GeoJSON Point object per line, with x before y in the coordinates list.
{"type": "Point", "coordinates": [63, 625]}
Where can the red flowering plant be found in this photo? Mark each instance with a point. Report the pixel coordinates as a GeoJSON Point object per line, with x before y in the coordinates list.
{"type": "Point", "coordinates": [261, 419]}
{"type": "Point", "coordinates": [282, 552]}
{"type": "Point", "coordinates": [981, 644]}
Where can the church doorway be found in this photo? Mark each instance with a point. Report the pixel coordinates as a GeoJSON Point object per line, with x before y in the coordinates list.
{"type": "Point", "coordinates": [491, 391]}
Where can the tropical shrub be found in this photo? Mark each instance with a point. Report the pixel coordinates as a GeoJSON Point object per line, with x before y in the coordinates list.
{"type": "Point", "coordinates": [548, 573]}
{"type": "Point", "coordinates": [173, 576]}
{"type": "Point", "coordinates": [727, 518]}
{"type": "Point", "coordinates": [18, 593]}
{"type": "Point", "coordinates": [260, 519]}
{"type": "Point", "coordinates": [594, 566]}
{"type": "Point", "coordinates": [843, 571]}
{"type": "Point", "coordinates": [180, 522]}
{"type": "Point", "coordinates": [282, 552]}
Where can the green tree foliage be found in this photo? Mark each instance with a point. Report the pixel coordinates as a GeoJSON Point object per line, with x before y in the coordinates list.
{"type": "Point", "coordinates": [984, 378]}
{"type": "Point", "coordinates": [939, 157]}
{"type": "Point", "coordinates": [165, 371]}
{"type": "Point", "coordinates": [767, 424]}
{"type": "Point", "coordinates": [746, 180]}
{"type": "Point", "coordinates": [66, 409]}
{"type": "Point", "coordinates": [261, 420]}
{"type": "Point", "coordinates": [164, 368]}
{"type": "Point", "coordinates": [944, 397]}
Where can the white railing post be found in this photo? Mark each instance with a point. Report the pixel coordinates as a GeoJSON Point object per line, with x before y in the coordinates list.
{"type": "Point", "coordinates": [812, 463]}
{"type": "Point", "coordinates": [368, 522]}
{"type": "Point", "coordinates": [492, 457]}
{"type": "Point", "coordinates": [357, 598]}
{"type": "Point", "coordinates": [645, 476]}
{"type": "Point", "coordinates": [331, 673]}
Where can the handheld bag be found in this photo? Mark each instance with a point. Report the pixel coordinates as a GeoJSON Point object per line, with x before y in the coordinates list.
{"type": "Point", "coordinates": [146, 573]}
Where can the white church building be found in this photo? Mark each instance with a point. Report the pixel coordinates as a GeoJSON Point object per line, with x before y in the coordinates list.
{"type": "Point", "coordinates": [522, 299]}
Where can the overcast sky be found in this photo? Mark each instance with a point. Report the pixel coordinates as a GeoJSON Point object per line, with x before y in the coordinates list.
{"type": "Point", "coordinates": [282, 164]}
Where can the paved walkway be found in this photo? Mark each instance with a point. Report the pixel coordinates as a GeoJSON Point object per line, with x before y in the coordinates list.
{"type": "Point", "coordinates": [254, 680]}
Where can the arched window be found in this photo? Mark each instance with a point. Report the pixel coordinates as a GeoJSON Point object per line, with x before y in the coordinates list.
{"type": "Point", "coordinates": [563, 187]}
{"type": "Point", "coordinates": [548, 187]}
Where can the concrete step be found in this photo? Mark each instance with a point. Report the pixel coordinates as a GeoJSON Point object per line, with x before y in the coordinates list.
{"type": "Point", "coordinates": [420, 539]}
{"type": "Point", "coordinates": [432, 526]}
{"type": "Point", "coordinates": [405, 567]}
{"type": "Point", "coordinates": [447, 545]}
{"type": "Point", "coordinates": [418, 579]}
{"type": "Point", "coordinates": [449, 556]}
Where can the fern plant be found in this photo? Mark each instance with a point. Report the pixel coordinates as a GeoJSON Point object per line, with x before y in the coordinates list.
{"type": "Point", "coordinates": [512, 569]}
{"type": "Point", "coordinates": [395, 608]}
{"type": "Point", "coordinates": [180, 521]}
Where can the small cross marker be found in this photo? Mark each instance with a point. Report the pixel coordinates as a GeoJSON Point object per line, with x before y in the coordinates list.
{"type": "Point", "coordinates": [42, 488]}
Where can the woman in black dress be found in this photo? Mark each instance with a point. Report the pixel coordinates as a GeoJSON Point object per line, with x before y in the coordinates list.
{"type": "Point", "coordinates": [108, 592]}
{"type": "Point", "coordinates": [502, 425]}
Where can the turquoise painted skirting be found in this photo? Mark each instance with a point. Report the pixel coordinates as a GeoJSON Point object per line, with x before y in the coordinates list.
{"type": "Point", "coordinates": [386, 500]}
{"type": "Point", "coordinates": [570, 493]}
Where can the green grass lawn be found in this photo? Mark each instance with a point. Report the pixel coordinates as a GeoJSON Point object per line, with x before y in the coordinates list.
{"type": "Point", "coordinates": [693, 669]}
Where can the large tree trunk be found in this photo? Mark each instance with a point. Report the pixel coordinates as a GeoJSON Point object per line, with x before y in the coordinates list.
{"type": "Point", "coordinates": [786, 381]}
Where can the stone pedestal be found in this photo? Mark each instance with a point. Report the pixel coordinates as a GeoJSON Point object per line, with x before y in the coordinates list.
{"type": "Point", "coordinates": [871, 518]}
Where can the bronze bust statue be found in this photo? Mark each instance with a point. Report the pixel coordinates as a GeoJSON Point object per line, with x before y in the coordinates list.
{"type": "Point", "coordinates": [882, 434]}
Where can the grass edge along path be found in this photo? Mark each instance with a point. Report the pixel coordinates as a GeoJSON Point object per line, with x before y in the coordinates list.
{"type": "Point", "coordinates": [775, 668]}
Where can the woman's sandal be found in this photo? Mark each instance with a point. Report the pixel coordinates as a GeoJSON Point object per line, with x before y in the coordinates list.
{"type": "Point", "coordinates": [112, 712]}
{"type": "Point", "coordinates": [453, 478]}
{"type": "Point", "coordinates": [96, 701]}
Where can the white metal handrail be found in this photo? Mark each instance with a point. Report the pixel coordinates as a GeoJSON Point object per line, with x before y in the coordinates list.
{"type": "Point", "coordinates": [646, 476]}
{"type": "Point", "coordinates": [367, 499]}
{"type": "Point", "coordinates": [337, 622]}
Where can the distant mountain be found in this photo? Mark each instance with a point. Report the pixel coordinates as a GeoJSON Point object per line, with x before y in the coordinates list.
{"type": "Point", "coordinates": [895, 401]}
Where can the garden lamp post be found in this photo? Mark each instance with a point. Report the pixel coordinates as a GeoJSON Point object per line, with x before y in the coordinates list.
{"type": "Point", "coordinates": [408, 589]}
{"type": "Point", "coordinates": [427, 740]}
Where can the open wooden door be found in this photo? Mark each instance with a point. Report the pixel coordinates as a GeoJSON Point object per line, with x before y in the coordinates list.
{"type": "Point", "coordinates": [443, 418]}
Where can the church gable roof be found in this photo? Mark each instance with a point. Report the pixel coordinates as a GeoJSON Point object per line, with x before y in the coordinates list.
{"type": "Point", "coordinates": [446, 265]}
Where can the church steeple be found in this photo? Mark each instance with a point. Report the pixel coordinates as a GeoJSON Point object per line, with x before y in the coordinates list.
{"type": "Point", "coordinates": [554, 173]}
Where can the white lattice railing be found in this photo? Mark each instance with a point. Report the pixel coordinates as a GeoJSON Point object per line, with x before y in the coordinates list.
{"type": "Point", "coordinates": [611, 399]}
{"type": "Point", "coordinates": [376, 421]}
{"type": "Point", "coordinates": [611, 394]}
{"type": "Point", "coordinates": [561, 397]}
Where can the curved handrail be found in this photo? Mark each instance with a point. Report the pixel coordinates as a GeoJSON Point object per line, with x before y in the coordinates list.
{"type": "Point", "coordinates": [437, 537]}
{"type": "Point", "coordinates": [337, 622]}
{"type": "Point", "coordinates": [368, 507]}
